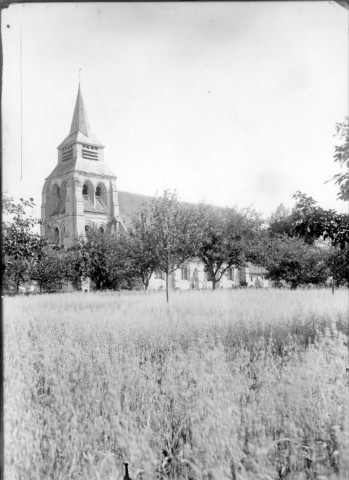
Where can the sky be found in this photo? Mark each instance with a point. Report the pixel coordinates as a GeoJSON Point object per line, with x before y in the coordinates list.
{"type": "Point", "coordinates": [231, 103]}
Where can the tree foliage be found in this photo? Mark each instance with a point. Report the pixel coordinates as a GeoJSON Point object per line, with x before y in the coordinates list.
{"type": "Point", "coordinates": [138, 243]}
{"type": "Point", "coordinates": [18, 239]}
{"type": "Point", "coordinates": [175, 233]}
{"type": "Point", "coordinates": [281, 222]}
{"type": "Point", "coordinates": [341, 156]}
{"type": "Point", "coordinates": [226, 236]}
{"type": "Point", "coordinates": [338, 266]}
{"type": "Point", "coordinates": [312, 221]}
{"type": "Point", "coordinates": [291, 261]}
{"type": "Point", "coordinates": [101, 258]}
{"type": "Point", "coordinates": [49, 269]}
{"type": "Point", "coordinates": [20, 245]}
{"type": "Point", "coordinates": [15, 274]}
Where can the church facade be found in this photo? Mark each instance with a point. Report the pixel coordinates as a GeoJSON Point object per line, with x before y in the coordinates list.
{"type": "Point", "coordinates": [81, 192]}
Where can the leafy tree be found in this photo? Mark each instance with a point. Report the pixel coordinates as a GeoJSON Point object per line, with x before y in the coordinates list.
{"type": "Point", "coordinates": [18, 239]}
{"type": "Point", "coordinates": [341, 156]}
{"type": "Point", "coordinates": [16, 273]}
{"type": "Point", "coordinates": [281, 222]}
{"type": "Point", "coordinates": [312, 221]}
{"type": "Point", "coordinates": [338, 265]}
{"type": "Point", "coordinates": [294, 262]}
{"type": "Point", "coordinates": [138, 244]}
{"type": "Point", "coordinates": [20, 245]}
{"type": "Point", "coordinates": [175, 231]}
{"type": "Point", "coordinates": [226, 238]}
{"type": "Point", "coordinates": [49, 269]}
{"type": "Point", "coordinates": [103, 260]}
{"type": "Point", "coordinates": [74, 262]}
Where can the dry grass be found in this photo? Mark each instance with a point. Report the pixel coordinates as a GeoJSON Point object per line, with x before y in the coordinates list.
{"type": "Point", "coordinates": [235, 385]}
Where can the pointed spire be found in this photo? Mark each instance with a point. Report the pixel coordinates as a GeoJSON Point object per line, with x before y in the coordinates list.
{"type": "Point", "coordinates": [80, 128]}
{"type": "Point", "coordinates": [80, 120]}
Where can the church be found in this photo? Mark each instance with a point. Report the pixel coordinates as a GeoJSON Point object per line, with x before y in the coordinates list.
{"type": "Point", "coordinates": [81, 192]}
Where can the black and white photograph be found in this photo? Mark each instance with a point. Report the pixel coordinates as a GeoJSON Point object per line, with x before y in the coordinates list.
{"type": "Point", "coordinates": [175, 240]}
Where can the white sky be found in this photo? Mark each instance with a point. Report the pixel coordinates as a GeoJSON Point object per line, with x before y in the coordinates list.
{"type": "Point", "coordinates": [231, 103]}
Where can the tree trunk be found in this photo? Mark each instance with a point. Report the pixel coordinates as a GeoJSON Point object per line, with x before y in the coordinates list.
{"type": "Point", "coordinates": [167, 296]}
{"type": "Point", "coordinates": [332, 287]}
{"type": "Point", "coordinates": [146, 281]}
{"type": "Point", "coordinates": [214, 283]}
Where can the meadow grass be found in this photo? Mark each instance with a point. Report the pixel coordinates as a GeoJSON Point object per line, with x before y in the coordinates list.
{"type": "Point", "coordinates": [233, 384]}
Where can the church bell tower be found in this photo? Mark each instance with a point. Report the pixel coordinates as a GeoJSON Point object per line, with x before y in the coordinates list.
{"type": "Point", "coordinates": [80, 193]}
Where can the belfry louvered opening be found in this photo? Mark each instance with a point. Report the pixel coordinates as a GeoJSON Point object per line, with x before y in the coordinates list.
{"type": "Point", "coordinates": [67, 153]}
{"type": "Point", "coordinates": [89, 152]}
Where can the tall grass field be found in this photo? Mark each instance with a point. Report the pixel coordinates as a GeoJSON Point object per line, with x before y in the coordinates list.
{"type": "Point", "coordinates": [244, 384]}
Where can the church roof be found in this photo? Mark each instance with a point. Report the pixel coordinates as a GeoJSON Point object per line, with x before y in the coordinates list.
{"type": "Point", "coordinates": [130, 204]}
{"type": "Point", "coordinates": [80, 130]}
{"type": "Point", "coordinates": [81, 165]}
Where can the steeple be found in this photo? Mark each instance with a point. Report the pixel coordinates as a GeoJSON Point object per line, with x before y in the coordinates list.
{"type": "Point", "coordinates": [80, 131]}
{"type": "Point", "coordinates": [80, 120]}
{"type": "Point", "coordinates": [81, 190]}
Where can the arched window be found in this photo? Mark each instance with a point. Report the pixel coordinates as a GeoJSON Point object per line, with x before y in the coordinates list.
{"type": "Point", "coordinates": [56, 197]}
{"type": "Point", "coordinates": [87, 192]}
{"type": "Point", "coordinates": [63, 195]}
{"type": "Point", "coordinates": [56, 235]}
{"type": "Point", "coordinates": [101, 194]}
{"type": "Point", "coordinates": [101, 230]}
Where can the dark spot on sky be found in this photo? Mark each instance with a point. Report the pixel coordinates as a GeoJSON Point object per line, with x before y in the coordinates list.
{"type": "Point", "coordinates": [8, 26]}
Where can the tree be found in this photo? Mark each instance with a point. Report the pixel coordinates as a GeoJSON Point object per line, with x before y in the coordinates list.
{"type": "Point", "coordinates": [338, 265]}
{"type": "Point", "coordinates": [175, 231]}
{"type": "Point", "coordinates": [138, 244]}
{"type": "Point", "coordinates": [311, 221]}
{"type": "Point", "coordinates": [281, 222]}
{"type": "Point", "coordinates": [102, 259]}
{"type": "Point", "coordinates": [226, 238]}
{"type": "Point", "coordinates": [20, 245]}
{"type": "Point", "coordinates": [49, 269]}
{"type": "Point", "coordinates": [294, 262]}
{"type": "Point", "coordinates": [16, 273]}
{"type": "Point", "coordinates": [341, 156]}
{"type": "Point", "coordinates": [18, 239]}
